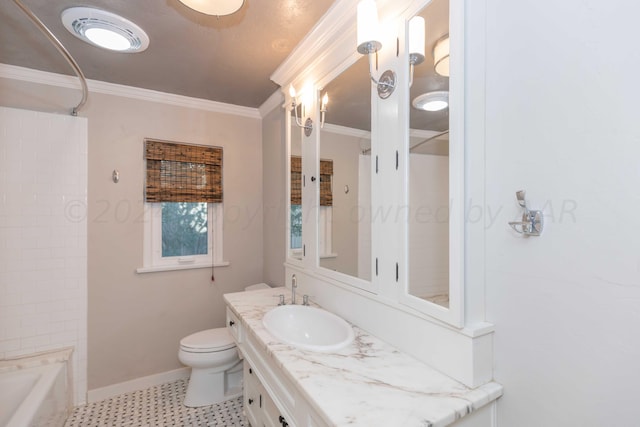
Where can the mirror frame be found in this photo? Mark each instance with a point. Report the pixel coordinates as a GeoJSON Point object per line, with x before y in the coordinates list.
{"type": "Point", "coordinates": [454, 314]}
{"type": "Point", "coordinates": [390, 242]}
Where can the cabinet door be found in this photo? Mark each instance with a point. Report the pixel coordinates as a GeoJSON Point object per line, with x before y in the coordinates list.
{"type": "Point", "coordinates": [251, 396]}
{"type": "Point", "coordinates": [270, 410]}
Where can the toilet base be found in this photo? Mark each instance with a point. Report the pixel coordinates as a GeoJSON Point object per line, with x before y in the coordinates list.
{"type": "Point", "coordinates": [210, 386]}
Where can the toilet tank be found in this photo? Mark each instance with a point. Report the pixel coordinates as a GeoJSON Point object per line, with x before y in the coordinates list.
{"type": "Point", "coordinates": [257, 287]}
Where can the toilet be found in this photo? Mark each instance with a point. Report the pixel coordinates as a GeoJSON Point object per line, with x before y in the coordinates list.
{"type": "Point", "coordinates": [216, 368]}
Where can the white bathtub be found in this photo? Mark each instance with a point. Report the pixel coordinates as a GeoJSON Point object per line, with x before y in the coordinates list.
{"type": "Point", "coordinates": [34, 394]}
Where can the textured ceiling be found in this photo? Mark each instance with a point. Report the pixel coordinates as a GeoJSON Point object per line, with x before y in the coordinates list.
{"type": "Point", "coordinates": [226, 59]}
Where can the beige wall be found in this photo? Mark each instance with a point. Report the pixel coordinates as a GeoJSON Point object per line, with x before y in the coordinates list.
{"type": "Point", "coordinates": [274, 196]}
{"type": "Point", "coordinates": [135, 321]}
{"type": "Point", "coordinates": [344, 150]}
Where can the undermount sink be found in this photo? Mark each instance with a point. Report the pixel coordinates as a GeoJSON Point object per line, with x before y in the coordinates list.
{"type": "Point", "coordinates": [308, 328]}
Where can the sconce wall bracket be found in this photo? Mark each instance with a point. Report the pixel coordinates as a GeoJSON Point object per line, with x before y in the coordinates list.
{"type": "Point", "coordinates": [308, 127]}
{"type": "Point", "coordinates": [386, 84]}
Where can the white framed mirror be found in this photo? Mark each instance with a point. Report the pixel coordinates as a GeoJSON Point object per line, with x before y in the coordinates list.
{"type": "Point", "coordinates": [435, 178]}
{"type": "Point", "coordinates": [344, 216]}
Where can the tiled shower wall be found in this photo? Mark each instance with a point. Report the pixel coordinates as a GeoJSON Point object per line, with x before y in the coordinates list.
{"type": "Point", "coordinates": [43, 237]}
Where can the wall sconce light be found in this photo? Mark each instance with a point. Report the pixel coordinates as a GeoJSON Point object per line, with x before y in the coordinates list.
{"type": "Point", "coordinates": [416, 43]}
{"type": "Point", "coordinates": [323, 108]}
{"type": "Point", "coordinates": [441, 56]}
{"type": "Point", "coordinates": [368, 45]}
{"type": "Point", "coordinates": [308, 124]}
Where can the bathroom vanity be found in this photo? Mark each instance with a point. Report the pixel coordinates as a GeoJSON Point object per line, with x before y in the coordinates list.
{"type": "Point", "coordinates": [367, 383]}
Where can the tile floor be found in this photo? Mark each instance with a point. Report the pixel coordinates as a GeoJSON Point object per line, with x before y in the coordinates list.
{"type": "Point", "coordinates": [155, 407]}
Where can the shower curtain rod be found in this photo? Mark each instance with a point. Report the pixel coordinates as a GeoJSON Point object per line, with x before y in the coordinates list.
{"type": "Point", "coordinates": [438, 135]}
{"type": "Point", "coordinates": [368, 150]}
{"type": "Point", "coordinates": [52, 38]}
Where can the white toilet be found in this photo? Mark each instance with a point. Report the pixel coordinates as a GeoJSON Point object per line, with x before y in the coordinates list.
{"type": "Point", "coordinates": [216, 369]}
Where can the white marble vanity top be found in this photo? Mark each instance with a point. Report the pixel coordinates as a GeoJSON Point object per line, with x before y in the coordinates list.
{"type": "Point", "coordinates": [368, 383]}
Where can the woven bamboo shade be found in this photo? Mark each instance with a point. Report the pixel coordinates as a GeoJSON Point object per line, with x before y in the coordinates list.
{"type": "Point", "coordinates": [182, 172]}
{"type": "Point", "coordinates": [296, 180]}
{"type": "Point", "coordinates": [326, 174]}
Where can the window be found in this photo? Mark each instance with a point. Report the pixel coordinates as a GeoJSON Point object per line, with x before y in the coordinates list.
{"type": "Point", "coordinates": [325, 218]}
{"type": "Point", "coordinates": [296, 226]}
{"type": "Point", "coordinates": [183, 206]}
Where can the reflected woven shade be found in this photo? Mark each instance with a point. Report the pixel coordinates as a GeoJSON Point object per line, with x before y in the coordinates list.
{"type": "Point", "coordinates": [326, 175]}
{"type": "Point", "coordinates": [182, 172]}
{"type": "Point", "coordinates": [326, 188]}
{"type": "Point", "coordinates": [296, 180]}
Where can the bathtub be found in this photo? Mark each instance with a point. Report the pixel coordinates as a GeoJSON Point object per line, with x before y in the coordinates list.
{"type": "Point", "coordinates": [34, 392]}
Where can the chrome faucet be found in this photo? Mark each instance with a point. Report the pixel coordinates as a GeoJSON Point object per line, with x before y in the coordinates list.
{"type": "Point", "coordinates": [294, 285]}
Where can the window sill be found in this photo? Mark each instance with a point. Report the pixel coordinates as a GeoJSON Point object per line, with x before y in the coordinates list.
{"type": "Point", "coordinates": [333, 255]}
{"type": "Point", "coordinates": [156, 269]}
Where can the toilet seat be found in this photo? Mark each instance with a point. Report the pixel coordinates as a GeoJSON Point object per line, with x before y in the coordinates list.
{"type": "Point", "coordinates": [208, 341]}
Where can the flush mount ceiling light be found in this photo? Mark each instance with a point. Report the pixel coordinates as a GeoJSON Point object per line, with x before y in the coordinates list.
{"type": "Point", "coordinates": [432, 101]}
{"type": "Point", "coordinates": [214, 7]}
{"type": "Point", "coordinates": [104, 29]}
{"type": "Point", "coordinates": [441, 56]}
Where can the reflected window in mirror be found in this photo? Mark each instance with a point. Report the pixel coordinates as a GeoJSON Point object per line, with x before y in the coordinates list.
{"type": "Point", "coordinates": [345, 174]}
{"type": "Point", "coordinates": [295, 195]}
{"type": "Point", "coordinates": [429, 164]}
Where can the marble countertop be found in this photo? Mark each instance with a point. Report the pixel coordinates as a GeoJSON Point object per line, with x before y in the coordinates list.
{"type": "Point", "coordinates": [368, 383]}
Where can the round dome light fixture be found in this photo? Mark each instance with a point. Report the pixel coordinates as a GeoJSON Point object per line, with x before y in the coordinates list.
{"type": "Point", "coordinates": [104, 29]}
{"type": "Point", "coordinates": [214, 7]}
{"type": "Point", "coordinates": [441, 56]}
{"type": "Point", "coordinates": [432, 101]}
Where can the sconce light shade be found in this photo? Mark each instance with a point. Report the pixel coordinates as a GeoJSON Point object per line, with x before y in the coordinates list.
{"type": "Point", "coordinates": [432, 101]}
{"type": "Point", "coordinates": [214, 7]}
{"type": "Point", "coordinates": [441, 56]}
{"type": "Point", "coordinates": [416, 40]}
{"type": "Point", "coordinates": [367, 27]}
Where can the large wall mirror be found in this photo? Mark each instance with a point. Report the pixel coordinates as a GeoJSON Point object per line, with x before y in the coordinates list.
{"type": "Point", "coordinates": [429, 195]}
{"type": "Point", "coordinates": [344, 228]}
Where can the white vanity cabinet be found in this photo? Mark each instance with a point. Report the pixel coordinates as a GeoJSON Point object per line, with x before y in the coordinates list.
{"type": "Point", "coordinates": [270, 400]}
{"type": "Point", "coordinates": [259, 408]}
{"type": "Point", "coordinates": [368, 383]}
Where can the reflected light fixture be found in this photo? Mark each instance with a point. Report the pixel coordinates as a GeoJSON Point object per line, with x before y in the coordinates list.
{"type": "Point", "coordinates": [308, 124]}
{"type": "Point", "coordinates": [323, 108]}
{"type": "Point", "coordinates": [368, 44]}
{"type": "Point", "coordinates": [416, 44]}
{"type": "Point", "coordinates": [441, 56]}
{"type": "Point", "coordinates": [214, 7]}
{"type": "Point", "coordinates": [432, 101]}
{"type": "Point", "coordinates": [104, 29]}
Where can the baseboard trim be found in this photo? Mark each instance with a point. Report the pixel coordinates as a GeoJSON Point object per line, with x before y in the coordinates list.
{"type": "Point", "coordinates": [113, 390]}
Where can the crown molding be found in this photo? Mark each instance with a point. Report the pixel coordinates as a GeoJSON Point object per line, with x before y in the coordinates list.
{"type": "Point", "coordinates": [347, 131]}
{"type": "Point", "coordinates": [276, 100]}
{"type": "Point", "coordinates": [60, 80]}
{"type": "Point", "coordinates": [338, 20]}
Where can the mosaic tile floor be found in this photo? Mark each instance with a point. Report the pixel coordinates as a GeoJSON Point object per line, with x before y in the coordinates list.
{"type": "Point", "coordinates": [155, 407]}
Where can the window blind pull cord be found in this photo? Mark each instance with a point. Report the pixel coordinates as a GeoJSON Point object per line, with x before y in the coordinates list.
{"type": "Point", "coordinates": [213, 278]}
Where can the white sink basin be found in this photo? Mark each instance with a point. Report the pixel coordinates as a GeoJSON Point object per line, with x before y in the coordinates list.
{"type": "Point", "coordinates": [308, 328]}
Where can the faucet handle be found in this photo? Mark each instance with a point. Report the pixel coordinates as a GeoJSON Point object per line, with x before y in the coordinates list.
{"type": "Point", "coordinates": [305, 299]}
{"type": "Point", "coordinates": [280, 299]}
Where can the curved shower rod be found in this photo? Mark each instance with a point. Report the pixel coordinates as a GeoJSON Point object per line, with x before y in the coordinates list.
{"type": "Point", "coordinates": [52, 38]}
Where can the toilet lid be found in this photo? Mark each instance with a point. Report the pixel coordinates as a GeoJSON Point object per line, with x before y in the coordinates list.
{"type": "Point", "coordinates": [212, 339]}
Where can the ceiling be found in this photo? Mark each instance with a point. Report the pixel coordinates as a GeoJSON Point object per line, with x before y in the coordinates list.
{"type": "Point", "coordinates": [227, 59]}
